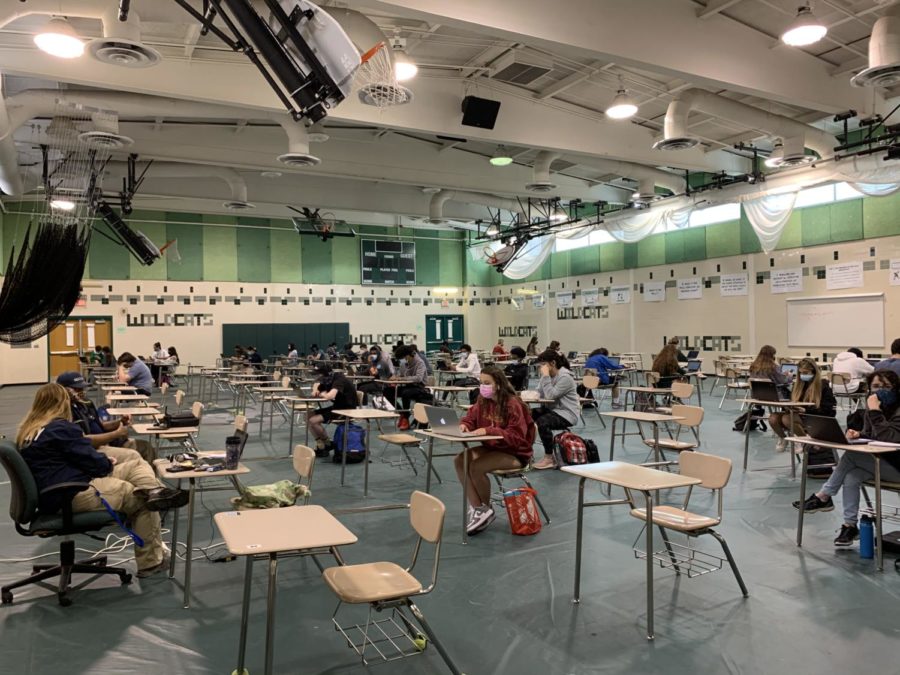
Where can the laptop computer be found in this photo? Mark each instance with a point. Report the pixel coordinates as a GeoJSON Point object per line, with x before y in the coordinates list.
{"type": "Point", "coordinates": [789, 369]}
{"type": "Point", "coordinates": [693, 354]}
{"type": "Point", "coordinates": [445, 421]}
{"type": "Point", "coordinates": [765, 390]}
{"type": "Point", "coordinates": [694, 366]}
{"type": "Point", "coordinates": [828, 429]}
{"type": "Point", "coordinates": [874, 362]}
{"type": "Point", "coordinates": [572, 355]}
{"type": "Point", "coordinates": [615, 360]}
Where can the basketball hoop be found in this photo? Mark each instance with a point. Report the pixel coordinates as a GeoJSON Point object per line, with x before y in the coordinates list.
{"type": "Point", "coordinates": [171, 251]}
{"type": "Point", "coordinates": [375, 81]}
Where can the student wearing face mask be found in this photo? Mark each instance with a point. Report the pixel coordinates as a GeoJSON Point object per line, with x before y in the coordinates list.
{"type": "Point", "coordinates": [498, 411]}
{"type": "Point", "coordinates": [881, 423]}
{"type": "Point", "coordinates": [381, 368]}
{"type": "Point", "coordinates": [808, 387]}
{"type": "Point", "coordinates": [334, 387]}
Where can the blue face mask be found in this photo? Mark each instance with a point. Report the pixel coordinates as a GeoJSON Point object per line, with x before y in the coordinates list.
{"type": "Point", "coordinates": [806, 377]}
{"type": "Point", "coordinates": [886, 397]}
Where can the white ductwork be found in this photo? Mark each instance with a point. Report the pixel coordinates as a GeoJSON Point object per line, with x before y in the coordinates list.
{"type": "Point", "coordinates": [648, 177]}
{"type": "Point", "coordinates": [438, 199]}
{"type": "Point", "coordinates": [677, 137]}
{"type": "Point", "coordinates": [18, 109]}
{"type": "Point", "coordinates": [884, 53]}
{"type": "Point", "coordinates": [540, 181]}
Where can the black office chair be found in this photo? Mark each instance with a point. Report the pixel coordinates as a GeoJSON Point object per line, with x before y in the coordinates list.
{"type": "Point", "coordinates": [23, 509]}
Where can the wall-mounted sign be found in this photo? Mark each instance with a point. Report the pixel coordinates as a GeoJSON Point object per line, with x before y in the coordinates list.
{"type": "Point", "coordinates": [595, 312]}
{"type": "Point", "coordinates": [620, 295]}
{"type": "Point", "coordinates": [844, 275]}
{"type": "Point", "coordinates": [787, 281]}
{"type": "Point", "coordinates": [138, 320]}
{"type": "Point", "coordinates": [537, 301]}
{"type": "Point", "coordinates": [566, 299]}
{"type": "Point", "coordinates": [733, 285]}
{"type": "Point", "coordinates": [690, 288]}
{"type": "Point", "coordinates": [516, 331]}
{"type": "Point", "coordinates": [654, 291]}
{"type": "Point", "coordinates": [589, 297]}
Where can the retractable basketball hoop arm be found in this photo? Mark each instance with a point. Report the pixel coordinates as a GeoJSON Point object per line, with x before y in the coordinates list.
{"type": "Point", "coordinates": [304, 96]}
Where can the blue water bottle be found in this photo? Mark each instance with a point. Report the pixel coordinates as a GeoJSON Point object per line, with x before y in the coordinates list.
{"type": "Point", "coordinates": [866, 538]}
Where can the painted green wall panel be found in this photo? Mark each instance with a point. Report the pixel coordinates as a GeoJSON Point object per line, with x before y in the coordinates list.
{"type": "Point", "coordinates": [315, 260]}
{"type": "Point", "coordinates": [652, 250]}
{"type": "Point", "coordinates": [559, 265]}
{"type": "Point", "coordinates": [254, 259]}
{"type": "Point", "coordinates": [723, 239]}
{"type": "Point", "coordinates": [674, 246]}
{"type": "Point", "coordinates": [612, 256]}
{"type": "Point", "coordinates": [429, 262]}
{"type": "Point", "coordinates": [694, 244]}
{"type": "Point", "coordinates": [190, 245]}
{"type": "Point", "coordinates": [847, 220]}
{"type": "Point", "coordinates": [219, 252]}
{"type": "Point", "coordinates": [630, 258]}
{"type": "Point", "coordinates": [285, 254]}
{"type": "Point", "coordinates": [451, 252]}
{"type": "Point", "coordinates": [108, 260]}
{"type": "Point", "coordinates": [156, 232]}
{"type": "Point", "coordinates": [816, 225]}
{"type": "Point", "coordinates": [749, 240]}
{"type": "Point", "coordinates": [881, 215]}
{"type": "Point", "coordinates": [792, 236]}
{"type": "Point", "coordinates": [585, 260]}
{"type": "Point", "coordinates": [345, 260]}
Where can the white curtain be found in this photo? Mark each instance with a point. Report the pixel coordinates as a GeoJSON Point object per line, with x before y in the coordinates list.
{"type": "Point", "coordinates": [680, 218]}
{"type": "Point", "coordinates": [644, 223]}
{"type": "Point", "coordinates": [768, 215]}
{"type": "Point", "coordinates": [530, 258]}
{"type": "Point", "coordinates": [875, 189]}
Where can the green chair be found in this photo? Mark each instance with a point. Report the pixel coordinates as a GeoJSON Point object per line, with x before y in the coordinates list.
{"type": "Point", "coordinates": [30, 522]}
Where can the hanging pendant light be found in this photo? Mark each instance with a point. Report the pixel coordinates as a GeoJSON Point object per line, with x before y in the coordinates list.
{"type": "Point", "coordinates": [623, 105]}
{"type": "Point", "coordinates": [804, 30]}
{"type": "Point", "coordinates": [501, 157]}
{"type": "Point", "coordinates": [59, 39]}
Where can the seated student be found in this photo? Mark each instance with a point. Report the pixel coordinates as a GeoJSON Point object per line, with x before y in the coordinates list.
{"type": "Point", "coordinates": [532, 348]}
{"type": "Point", "coordinates": [293, 356]}
{"type": "Point", "coordinates": [499, 350]}
{"type": "Point", "coordinates": [109, 359]}
{"type": "Point", "coordinates": [854, 366]}
{"type": "Point", "coordinates": [446, 348]}
{"type": "Point", "coordinates": [96, 356]}
{"type": "Point", "coordinates": [666, 364]}
{"type": "Point", "coordinates": [598, 362]}
{"type": "Point", "coordinates": [809, 386]}
{"type": "Point", "coordinates": [134, 372]}
{"type": "Point", "coordinates": [412, 367]}
{"type": "Point", "coordinates": [57, 452]}
{"type": "Point", "coordinates": [428, 368]}
{"type": "Point", "coordinates": [239, 352]}
{"type": "Point", "coordinates": [517, 371]}
{"type": "Point", "coordinates": [764, 367]}
{"type": "Point", "coordinates": [85, 415]}
{"type": "Point", "coordinates": [348, 354]}
{"type": "Point", "coordinates": [331, 351]}
{"type": "Point", "coordinates": [316, 354]}
{"type": "Point", "coordinates": [469, 365]}
{"type": "Point", "coordinates": [498, 411]}
{"type": "Point", "coordinates": [554, 346]}
{"type": "Point", "coordinates": [892, 362]}
{"type": "Point", "coordinates": [253, 357]}
{"type": "Point", "coordinates": [679, 355]}
{"type": "Point", "coordinates": [379, 367]}
{"type": "Point", "coordinates": [558, 385]}
{"type": "Point", "coordinates": [156, 357]}
{"type": "Point", "coordinates": [338, 389]}
{"type": "Point", "coordinates": [881, 423]}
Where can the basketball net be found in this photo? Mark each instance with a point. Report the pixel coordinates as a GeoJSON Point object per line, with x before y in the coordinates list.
{"type": "Point", "coordinates": [171, 251]}
{"type": "Point", "coordinates": [375, 82]}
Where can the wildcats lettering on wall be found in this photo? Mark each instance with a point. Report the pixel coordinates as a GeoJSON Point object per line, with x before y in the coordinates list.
{"type": "Point", "coordinates": [517, 331]}
{"type": "Point", "coordinates": [709, 343]}
{"type": "Point", "coordinates": [137, 320]}
{"type": "Point", "coordinates": [594, 312]}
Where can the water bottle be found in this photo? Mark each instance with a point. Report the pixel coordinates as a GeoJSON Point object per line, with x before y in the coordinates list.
{"type": "Point", "coordinates": [232, 452]}
{"type": "Point", "coordinates": [866, 538]}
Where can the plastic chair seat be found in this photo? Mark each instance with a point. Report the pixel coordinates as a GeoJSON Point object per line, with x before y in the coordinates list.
{"type": "Point", "coordinates": [511, 473]}
{"type": "Point", "coordinates": [400, 439]}
{"type": "Point", "coordinates": [86, 520]}
{"type": "Point", "coordinates": [673, 518]}
{"type": "Point", "coordinates": [671, 444]}
{"type": "Point", "coordinates": [738, 385]}
{"type": "Point", "coordinates": [371, 582]}
{"type": "Point", "coordinates": [885, 485]}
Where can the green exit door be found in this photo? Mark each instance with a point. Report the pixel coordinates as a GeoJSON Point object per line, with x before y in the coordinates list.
{"type": "Point", "coordinates": [443, 327]}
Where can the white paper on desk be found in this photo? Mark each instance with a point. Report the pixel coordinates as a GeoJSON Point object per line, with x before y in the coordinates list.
{"type": "Point", "coordinates": [884, 444]}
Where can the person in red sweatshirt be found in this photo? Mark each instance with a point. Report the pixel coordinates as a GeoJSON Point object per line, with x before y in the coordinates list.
{"type": "Point", "coordinates": [498, 412]}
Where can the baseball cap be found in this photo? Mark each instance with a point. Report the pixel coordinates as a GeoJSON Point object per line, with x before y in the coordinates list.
{"type": "Point", "coordinates": [71, 379]}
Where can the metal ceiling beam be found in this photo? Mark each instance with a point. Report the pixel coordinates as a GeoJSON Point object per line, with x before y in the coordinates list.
{"type": "Point", "coordinates": [571, 80]}
{"type": "Point", "coordinates": [713, 7]}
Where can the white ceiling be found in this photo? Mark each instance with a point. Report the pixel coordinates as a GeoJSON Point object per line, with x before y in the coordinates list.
{"type": "Point", "coordinates": [378, 161]}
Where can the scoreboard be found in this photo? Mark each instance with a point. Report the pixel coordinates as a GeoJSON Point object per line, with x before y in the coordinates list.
{"type": "Point", "coordinates": [391, 263]}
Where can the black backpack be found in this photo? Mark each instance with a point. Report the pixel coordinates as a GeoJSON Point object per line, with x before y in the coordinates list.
{"type": "Point", "coordinates": [757, 420]}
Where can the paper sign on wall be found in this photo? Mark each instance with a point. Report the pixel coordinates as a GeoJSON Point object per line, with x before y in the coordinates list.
{"type": "Point", "coordinates": [654, 291]}
{"type": "Point", "coordinates": [690, 288]}
{"type": "Point", "coordinates": [589, 297]}
{"type": "Point", "coordinates": [844, 275]}
{"type": "Point", "coordinates": [516, 303]}
{"type": "Point", "coordinates": [733, 284]}
{"type": "Point", "coordinates": [895, 272]}
{"type": "Point", "coordinates": [537, 301]}
{"type": "Point", "coordinates": [787, 281]}
{"type": "Point", "coordinates": [620, 295]}
{"type": "Point", "coordinates": [565, 300]}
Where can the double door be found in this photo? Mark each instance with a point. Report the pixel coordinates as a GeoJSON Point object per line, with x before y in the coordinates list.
{"type": "Point", "coordinates": [75, 338]}
{"type": "Point", "coordinates": [440, 327]}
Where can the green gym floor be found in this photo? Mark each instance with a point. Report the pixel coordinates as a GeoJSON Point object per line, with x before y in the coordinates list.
{"type": "Point", "coordinates": [503, 604]}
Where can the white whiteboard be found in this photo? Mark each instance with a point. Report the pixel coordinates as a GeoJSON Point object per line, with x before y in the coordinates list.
{"type": "Point", "coordinates": [836, 321]}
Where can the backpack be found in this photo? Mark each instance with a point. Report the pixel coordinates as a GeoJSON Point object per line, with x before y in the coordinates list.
{"type": "Point", "coordinates": [570, 448]}
{"type": "Point", "coordinates": [757, 420]}
{"type": "Point", "coordinates": [271, 496]}
{"type": "Point", "coordinates": [356, 444]}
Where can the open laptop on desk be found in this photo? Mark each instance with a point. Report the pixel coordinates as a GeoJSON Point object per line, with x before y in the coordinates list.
{"type": "Point", "coordinates": [766, 390]}
{"type": "Point", "coordinates": [615, 360]}
{"type": "Point", "coordinates": [789, 369]}
{"type": "Point", "coordinates": [693, 354]}
{"type": "Point", "coordinates": [694, 366]}
{"type": "Point", "coordinates": [445, 421]}
{"type": "Point", "coordinates": [828, 429]}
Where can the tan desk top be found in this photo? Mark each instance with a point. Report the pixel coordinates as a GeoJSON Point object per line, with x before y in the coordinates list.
{"type": "Point", "coordinates": [127, 397]}
{"type": "Point", "coordinates": [457, 439]}
{"type": "Point", "coordinates": [161, 466]}
{"type": "Point", "coordinates": [293, 528]}
{"type": "Point", "coordinates": [150, 430]}
{"type": "Point", "coordinates": [399, 380]}
{"type": "Point", "coordinates": [630, 476]}
{"type": "Point", "coordinates": [648, 390]}
{"type": "Point", "coordinates": [866, 448]}
{"type": "Point", "coordinates": [640, 416]}
{"type": "Point", "coordinates": [779, 404]}
{"type": "Point", "coordinates": [134, 412]}
{"type": "Point", "coordinates": [451, 387]}
{"type": "Point", "coordinates": [365, 414]}
{"type": "Point", "coordinates": [273, 390]}
{"type": "Point", "coordinates": [118, 387]}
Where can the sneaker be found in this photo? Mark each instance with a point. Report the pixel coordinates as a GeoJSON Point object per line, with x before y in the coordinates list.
{"type": "Point", "coordinates": [617, 406]}
{"type": "Point", "coordinates": [480, 518]}
{"type": "Point", "coordinates": [780, 445]}
{"type": "Point", "coordinates": [546, 463]}
{"type": "Point", "coordinates": [847, 535]}
{"type": "Point", "coordinates": [403, 424]}
{"type": "Point", "coordinates": [164, 498]}
{"type": "Point", "coordinates": [324, 450]}
{"type": "Point", "coordinates": [813, 504]}
{"type": "Point", "coordinates": [159, 567]}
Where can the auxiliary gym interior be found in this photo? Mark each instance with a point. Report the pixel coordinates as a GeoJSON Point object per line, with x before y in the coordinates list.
{"type": "Point", "coordinates": [410, 336]}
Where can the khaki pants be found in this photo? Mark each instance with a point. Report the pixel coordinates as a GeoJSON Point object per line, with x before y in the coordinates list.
{"type": "Point", "coordinates": [128, 476]}
{"type": "Point", "coordinates": [782, 421]}
{"type": "Point", "coordinates": [483, 460]}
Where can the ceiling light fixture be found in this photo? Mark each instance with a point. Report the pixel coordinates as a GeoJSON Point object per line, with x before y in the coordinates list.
{"type": "Point", "coordinates": [501, 157]}
{"type": "Point", "coordinates": [805, 30]}
{"type": "Point", "coordinates": [404, 68]}
{"type": "Point", "coordinates": [492, 230]}
{"type": "Point", "coordinates": [775, 158]}
{"type": "Point", "coordinates": [623, 105]}
{"type": "Point", "coordinates": [62, 204]}
{"type": "Point", "coordinates": [58, 38]}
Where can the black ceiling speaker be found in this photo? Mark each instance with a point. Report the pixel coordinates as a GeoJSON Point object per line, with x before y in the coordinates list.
{"type": "Point", "coordinates": [479, 112]}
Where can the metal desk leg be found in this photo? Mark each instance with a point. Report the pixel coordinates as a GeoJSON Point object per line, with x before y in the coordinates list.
{"type": "Point", "coordinates": [344, 457]}
{"type": "Point", "coordinates": [747, 435]}
{"type": "Point", "coordinates": [612, 438]}
{"type": "Point", "coordinates": [879, 540]}
{"type": "Point", "coordinates": [656, 442]}
{"type": "Point", "coordinates": [270, 612]}
{"type": "Point", "coordinates": [791, 449]}
{"type": "Point", "coordinates": [803, 467]}
{"type": "Point", "coordinates": [291, 437]}
{"type": "Point", "coordinates": [465, 499]}
{"type": "Point", "coordinates": [649, 499]}
{"type": "Point", "coordinates": [366, 459]}
{"type": "Point", "coordinates": [578, 538]}
{"type": "Point", "coordinates": [699, 392]}
{"type": "Point", "coordinates": [245, 612]}
{"type": "Point", "coordinates": [174, 543]}
{"type": "Point", "coordinates": [271, 415]}
{"type": "Point", "coordinates": [190, 545]}
{"type": "Point", "coordinates": [262, 413]}
{"type": "Point", "coordinates": [430, 459]}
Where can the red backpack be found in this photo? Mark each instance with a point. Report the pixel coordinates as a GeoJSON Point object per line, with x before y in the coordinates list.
{"type": "Point", "coordinates": [570, 448]}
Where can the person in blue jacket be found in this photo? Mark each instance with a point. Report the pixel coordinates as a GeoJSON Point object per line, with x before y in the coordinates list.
{"type": "Point", "coordinates": [56, 451]}
{"type": "Point", "coordinates": [598, 362]}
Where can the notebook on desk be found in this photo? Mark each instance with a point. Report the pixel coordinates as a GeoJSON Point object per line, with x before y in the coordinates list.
{"type": "Point", "coordinates": [766, 390]}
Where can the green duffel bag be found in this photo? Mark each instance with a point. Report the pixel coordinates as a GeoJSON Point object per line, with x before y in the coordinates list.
{"type": "Point", "coordinates": [271, 496]}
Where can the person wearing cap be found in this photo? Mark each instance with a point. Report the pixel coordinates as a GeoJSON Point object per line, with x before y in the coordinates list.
{"type": "Point", "coordinates": [338, 389]}
{"type": "Point", "coordinates": [85, 415]}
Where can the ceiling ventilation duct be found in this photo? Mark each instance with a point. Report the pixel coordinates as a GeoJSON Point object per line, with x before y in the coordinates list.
{"type": "Point", "coordinates": [647, 176]}
{"type": "Point", "coordinates": [438, 199]}
{"type": "Point", "coordinates": [178, 170]}
{"type": "Point", "coordinates": [106, 133]}
{"type": "Point", "coordinates": [884, 53]}
{"type": "Point", "coordinates": [677, 137]}
{"type": "Point", "coordinates": [790, 153]}
{"type": "Point", "coordinates": [540, 181]}
{"type": "Point", "coordinates": [517, 67]}
{"type": "Point", "coordinates": [297, 155]}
